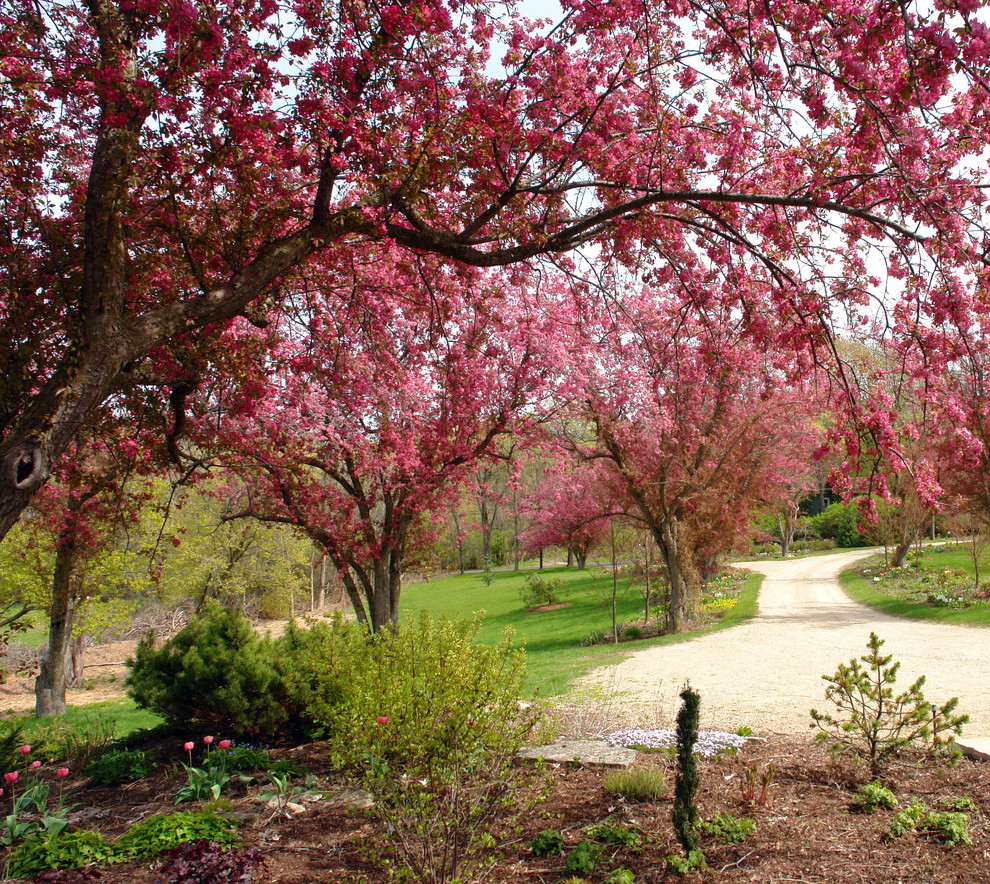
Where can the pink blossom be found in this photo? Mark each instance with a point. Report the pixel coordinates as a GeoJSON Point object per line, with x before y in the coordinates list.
{"type": "Point", "coordinates": [207, 739]}
{"type": "Point", "coordinates": [25, 749]}
{"type": "Point", "coordinates": [188, 746]}
{"type": "Point", "coordinates": [224, 744]}
{"type": "Point", "coordinates": [62, 772]}
{"type": "Point", "coordinates": [35, 765]}
{"type": "Point", "coordinates": [11, 777]}
{"type": "Point", "coordinates": [382, 719]}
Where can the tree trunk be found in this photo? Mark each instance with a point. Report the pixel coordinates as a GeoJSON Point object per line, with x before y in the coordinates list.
{"type": "Point", "coordinates": [49, 686]}
{"type": "Point", "coordinates": [786, 523]}
{"type": "Point", "coordinates": [904, 547]}
{"type": "Point", "coordinates": [669, 545]}
{"type": "Point", "coordinates": [581, 558]}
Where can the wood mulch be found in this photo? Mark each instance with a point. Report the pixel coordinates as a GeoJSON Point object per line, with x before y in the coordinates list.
{"type": "Point", "coordinates": [810, 830]}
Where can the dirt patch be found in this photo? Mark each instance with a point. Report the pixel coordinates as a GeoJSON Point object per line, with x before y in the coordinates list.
{"type": "Point", "coordinates": [555, 607]}
{"type": "Point", "coordinates": [809, 831]}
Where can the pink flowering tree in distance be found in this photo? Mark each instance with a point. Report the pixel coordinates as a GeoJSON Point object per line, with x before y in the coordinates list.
{"type": "Point", "coordinates": [169, 168]}
{"type": "Point", "coordinates": [375, 407]}
{"type": "Point", "coordinates": [571, 507]}
{"type": "Point", "coordinates": [697, 425]}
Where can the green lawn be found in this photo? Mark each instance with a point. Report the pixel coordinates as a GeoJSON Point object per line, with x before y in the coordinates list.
{"type": "Point", "coordinates": [123, 715]}
{"type": "Point", "coordinates": [934, 572]}
{"type": "Point", "coordinates": [552, 638]}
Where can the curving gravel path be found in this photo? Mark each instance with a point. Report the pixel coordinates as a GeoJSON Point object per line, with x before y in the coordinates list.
{"type": "Point", "coordinates": [766, 673]}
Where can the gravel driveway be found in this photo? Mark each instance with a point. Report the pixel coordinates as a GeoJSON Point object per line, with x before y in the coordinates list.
{"type": "Point", "coordinates": [767, 673]}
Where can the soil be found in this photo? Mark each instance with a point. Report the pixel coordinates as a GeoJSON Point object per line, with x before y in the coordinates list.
{"type": "Point", "coordinates": [808, 831]}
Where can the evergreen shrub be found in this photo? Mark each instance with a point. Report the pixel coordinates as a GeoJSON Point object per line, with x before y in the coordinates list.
{"type": "Point", "coordinates": [216, 674]}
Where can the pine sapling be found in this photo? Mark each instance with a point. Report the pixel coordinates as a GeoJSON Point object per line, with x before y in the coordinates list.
{"type": "Point", "coordinates": [871, 722]}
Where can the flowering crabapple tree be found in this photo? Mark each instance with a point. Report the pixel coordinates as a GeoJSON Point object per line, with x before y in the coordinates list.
{"type": "Point", "coordinates": [698, 426]}
{"type": "Point", "coordinates": [368, 418]}
{"type": "Point", "coordinates": [571, 507]}
{"type": "Point", "coordinates": [171, 167]}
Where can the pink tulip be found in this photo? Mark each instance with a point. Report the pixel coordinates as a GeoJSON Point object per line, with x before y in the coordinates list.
{"type": "Point", "coordinates": [11, 777]}
{"type": "Point", "coordinates": [207, 740]}
{"type": "Point", "coordinates": [382, 719]}
{"type": "Point", "coordinates": [188, 746]}
{"type": "Point", "coordinates": [35, 765]}
{"type": "Point", "coordinates": [25, 749]}
{"type": "Point", "coordinates": [62, 772]}
{"type": "Point", "coordinates": [224, 744]}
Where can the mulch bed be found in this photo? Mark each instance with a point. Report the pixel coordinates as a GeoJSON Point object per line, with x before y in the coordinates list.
{"type": "Point", "coordinates": [809, 831]}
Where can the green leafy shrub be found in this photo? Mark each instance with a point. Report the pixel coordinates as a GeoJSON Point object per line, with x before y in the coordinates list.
{"type": "Point", "coordinates": [840, 522]}
{"type": "Point", "coordinates": [682, 865]}
{"type": "Point", "coordinates": [641, 784]}
{"type": "Point", "coordinates": [874, 795]}
{"type": "Point", "coordinates": [166, 832]}
{"type": "Point", "coordinates": [79, 743]}
{"type": "Point", "coordinates": [431, 721]}
{"type": "Point", "coordinates": [539, 590]}
{"type": "Point", "coordinates": [727, 828]}
{"type": "Point", "coordinates": [242, 759]}
{"type": "Point", "coordinates": [632, 633]}
{"type": "Point", "coordinates": [951, 827]}
{"type": "Point", "coordinates": [119, 766]}
{"type": "Point", "coordinates": [962, 802]}
{"type": "Point", "coordinates": [908, 819]}
{"type": "Point", "coordinates": [547, 843]}
{"type": "Point", "coordinates": [875, 724]}
{"type": "Point", "coordinates": [610, 832]}
{"type": "Point", "coordinates": [315, 665]}
{"type": "Point", "coordinates": [215, 674]}
{"type": "Point", "coordinates": [38, 853]}
{"type": "Point", "coordinates": [582, 859]}
{"type": "Point", "coordinates": [11, 739]}
{"type": "Point", "coordinates": [620, 876]}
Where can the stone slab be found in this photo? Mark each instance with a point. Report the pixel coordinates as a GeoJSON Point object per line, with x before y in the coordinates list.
{"type": "Point", "coordinates": [975, 747]}
{"type": "Point", "coordinates": [580, 753]}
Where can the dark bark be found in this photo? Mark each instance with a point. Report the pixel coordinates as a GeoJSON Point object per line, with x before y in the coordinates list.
{"type": "Point", "coordinates": [50, 685]}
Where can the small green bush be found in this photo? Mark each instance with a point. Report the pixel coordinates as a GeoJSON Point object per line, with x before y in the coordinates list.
{"type": "Point", "coordinates": [547, 843]}
{"type": "Point", "coordinates": [430, 721]}
{"type": "Point", "coordinates": [632, 633]}
{"type": "Point", "coordinates": [11, 739]}
{"type": "Point", "coordinates": [610, 832]}
{"type": "Point", "coordinates": [874, 795]}
{"type": "Point", "coordinates": [727, 828]}
{"type": "Point", "coordinates": [840, 522]}
{"type": "Point", "coordinates": [951, 827]}
{"type": "Point", "coordinates": [539, 590]}
{"type": "Point", "coordinates": [119, 766]}
{"type": "Point", "coordinates": [160, 833]}
{"type": "Point", "coordinates": [581, 860]}
{"type": "Point", "coordinates": [216, 674]}
{"type": "Point", "coordinates": [68, 850]}
{"type": "Point", "coordinates": [641, 784]}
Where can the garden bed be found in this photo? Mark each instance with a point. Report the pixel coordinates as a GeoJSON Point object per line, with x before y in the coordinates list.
{"type": "Point", "coordinates": [809, 829]}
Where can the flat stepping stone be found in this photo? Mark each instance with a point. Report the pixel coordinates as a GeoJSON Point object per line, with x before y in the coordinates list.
{"type": "Point", "coordinates": [580, 753]}
{"type": "Point", "coordinates": [975, 747]}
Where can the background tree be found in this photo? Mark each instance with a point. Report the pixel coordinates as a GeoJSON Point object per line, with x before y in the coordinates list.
{"type": "Point", "coordinates": [571, 507]}
{"type": "Point", "coordinates": [168, 170]}
{"type": "Point", "coordinates": [362, 427]}
{"type": "Point", "coordinates": [697, 426]}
